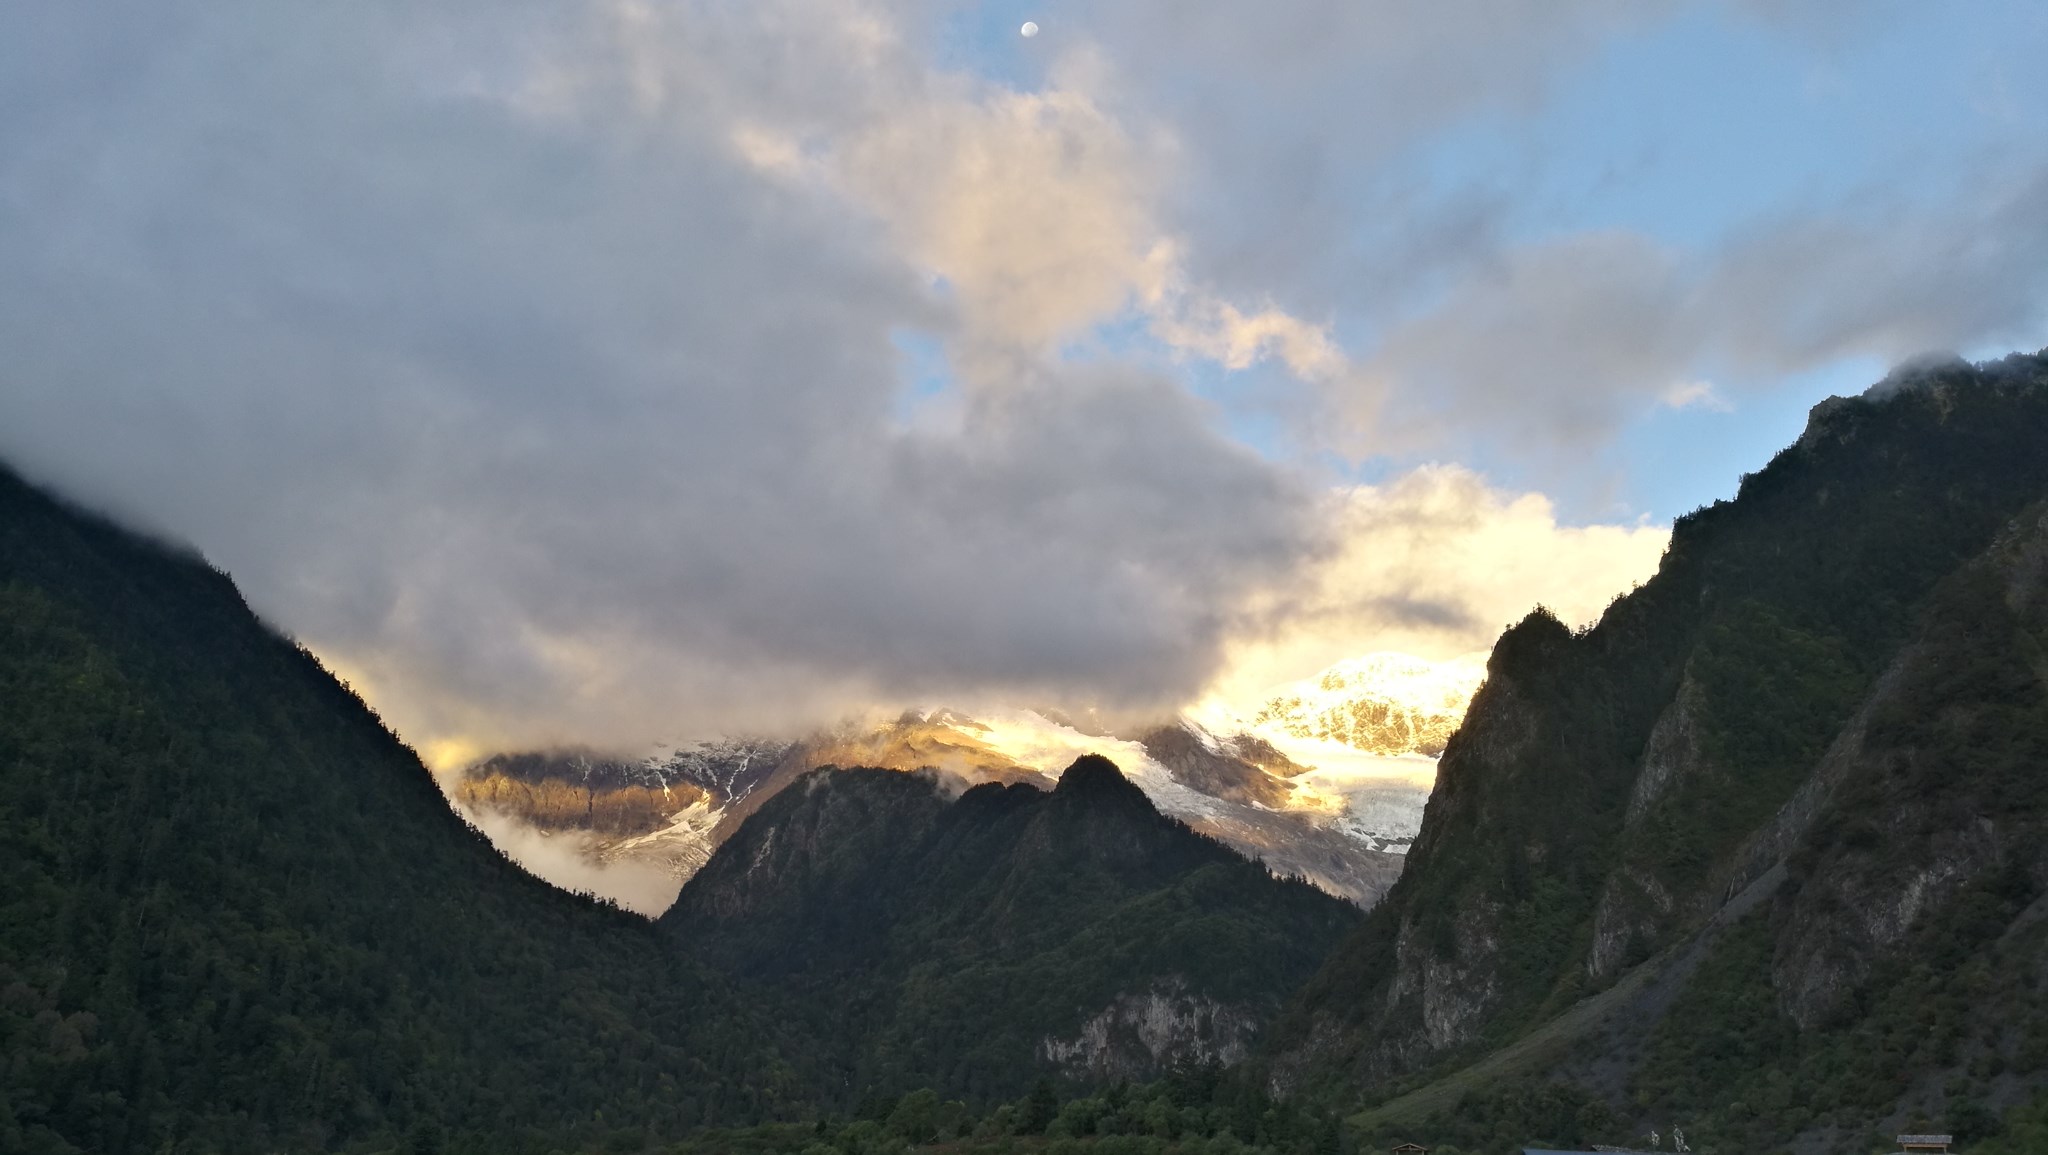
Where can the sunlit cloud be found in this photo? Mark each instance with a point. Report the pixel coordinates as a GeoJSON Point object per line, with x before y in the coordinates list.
{"type": "Point", "coordinates": [1436, 563]}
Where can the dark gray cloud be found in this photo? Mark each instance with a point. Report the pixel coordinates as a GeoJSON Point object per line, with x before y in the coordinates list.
{"type": "Point", "coordinates": [470, 343]}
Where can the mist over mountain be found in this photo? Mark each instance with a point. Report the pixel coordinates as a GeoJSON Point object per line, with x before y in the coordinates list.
{"type": "Point", "coordinates": [1325, 781]}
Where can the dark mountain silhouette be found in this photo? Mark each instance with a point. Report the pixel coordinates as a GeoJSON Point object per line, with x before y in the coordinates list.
{"type": "Point", "coordinates": [236, 914]}
{"type": "Point", "coordinates": [1765, 846]}
{"type": "Point", "coordinates": [969, 942]}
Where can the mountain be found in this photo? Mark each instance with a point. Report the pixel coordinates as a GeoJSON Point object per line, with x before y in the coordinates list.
{"type": "Point", "coordinates": [927, 935]}
{"type": "Point", "coordinates": [663, 814]}
{"type": "Point", "coordinates": [1765, 848]}
{"type": "Point", "coordinates": [1389, 704]}
{"type": "Point", "coordinates": [237, 915]}
{"type": "Point", "coordinates": [1339, 814]}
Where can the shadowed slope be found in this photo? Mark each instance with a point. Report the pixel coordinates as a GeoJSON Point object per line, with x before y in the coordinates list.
{"type": "Point", "coordinates": [236, 914]}
{"type": "Point", "coordinates": [965, 943]}
{"type": "Point", "coordinates": [1729, 736]}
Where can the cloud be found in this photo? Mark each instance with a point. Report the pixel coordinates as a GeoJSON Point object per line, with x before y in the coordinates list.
{"type": "Point", "coordinates": [1559, 341]}
{"type": "Point", "coordinates": [1455, 321]}
{"type": "Point", "coordinates": [1034, 207]}
{"type": "Point", "coordinates": [540, 364]}
{"type": "Point", "coordinates": [1887, 276]}
{"type": "Point", "coordinates": [1293, 116]}
{"type": "Point", "coordinates": [491, 360]}
{"type": "Point", "coordinates": [1037, 214]}
{"type": "Point", "coordinates": [567, 860]}
{"type": "Point", "coordinates": [1553, 346]}
{"type": "Point", "coordinates": [1695, 395]}
{"type": "Point", "coordinates": [1436, 563]}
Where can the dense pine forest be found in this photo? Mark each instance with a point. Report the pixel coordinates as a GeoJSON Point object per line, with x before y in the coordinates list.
{"type": "Point", "coordinates": [237, 914]}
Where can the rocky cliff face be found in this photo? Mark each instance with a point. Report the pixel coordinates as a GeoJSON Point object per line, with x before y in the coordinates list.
{"type": "Point", "coordinates": [1160, 1029]}
{"type": "Point", "coordinates": [667, 811]}
{"type": "Point", "coordinates": [1783, 701]}
{"type": "Point", "coordinates": [1937, 786]}
{"type": "Point", "coordinates": [576, 791]}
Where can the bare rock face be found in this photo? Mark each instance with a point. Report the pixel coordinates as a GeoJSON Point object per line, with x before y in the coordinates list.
{"type": "Point", "coordinates": [577, 790]}
{"type": "Point", "coordinates": [1166, 1026]}
{"type": "Point", "coordinates": [1674, 754]}
{"type": "Point", "coordinates": [1634, 910]}
{"type": "Point", "coordinates": [1222, 771]}
{"type": "Point", "coordinates": [1916, 813]}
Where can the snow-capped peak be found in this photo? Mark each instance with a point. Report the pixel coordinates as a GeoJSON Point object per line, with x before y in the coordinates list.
{"type": "Point", "coordinates": [1381, 703]}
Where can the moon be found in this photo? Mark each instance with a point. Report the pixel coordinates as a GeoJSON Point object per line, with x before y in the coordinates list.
{"type": "Point", "coordinates": [1029, 30]}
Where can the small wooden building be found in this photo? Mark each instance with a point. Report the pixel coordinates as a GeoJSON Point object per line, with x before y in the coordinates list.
{"type": "Point", "coordinates": [1411, 1149]}
{"type": "Point", "coordinates": [1926, 1144]}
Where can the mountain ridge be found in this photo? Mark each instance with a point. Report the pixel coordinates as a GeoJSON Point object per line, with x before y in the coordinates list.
{"type": "Point", "coordinates": [900, 913]}
{"type": "Point", "coordinates": [1613, 788]}
{"type": "Point", "coordinates": [238, 915]}
{"type": "Point", "coordinates": [1342, 825]}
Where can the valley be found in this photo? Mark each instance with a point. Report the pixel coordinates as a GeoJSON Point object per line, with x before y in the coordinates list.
{"type": "Point", "coordinates": [1761, 854]}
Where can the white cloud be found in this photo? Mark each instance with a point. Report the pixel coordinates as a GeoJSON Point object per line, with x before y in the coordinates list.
{"type": "Point", "coordinates": [567, 860]}
{"type": "Point", "coordinates": [1695, 395]}
{"type": "Point", "coordinates": [1437, 563]}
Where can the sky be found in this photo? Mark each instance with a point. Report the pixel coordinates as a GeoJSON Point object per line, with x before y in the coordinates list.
{"type": "Point", "coordinates": [619, 372]}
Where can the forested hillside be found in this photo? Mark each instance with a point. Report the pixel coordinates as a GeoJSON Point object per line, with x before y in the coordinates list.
{"type": "Point", "coordinates": [236, 914]}
{"type": "Point", "coordinates": [1771, 831]}
{"type": "Point", "coordinates": [973, 943]}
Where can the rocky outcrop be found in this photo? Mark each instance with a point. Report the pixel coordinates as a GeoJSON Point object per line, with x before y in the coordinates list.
{"type": "Point", "coordinates": [574, 791]}
{"type": "Point", "coordinates": [1674, 753]}
{"type": "Point", "coordinates": [1222, 770]}
{"type": "Point", "coordinates": [1140, 1036]}
{"type": "Point", "coordinates": [1915, 807]}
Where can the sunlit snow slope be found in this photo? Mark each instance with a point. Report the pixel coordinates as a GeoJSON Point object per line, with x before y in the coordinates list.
{"type": "Point", "coordinates": [1325, 778]}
